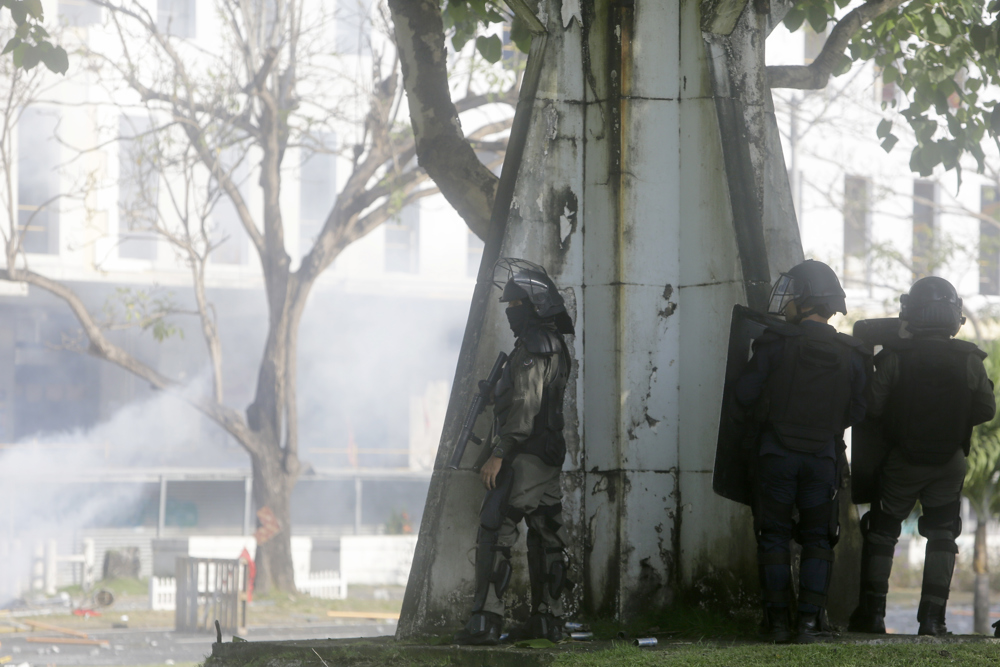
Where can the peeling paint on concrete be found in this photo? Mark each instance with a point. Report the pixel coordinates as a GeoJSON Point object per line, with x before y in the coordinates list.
{"type": "Point", "coordinates": [571, 10]}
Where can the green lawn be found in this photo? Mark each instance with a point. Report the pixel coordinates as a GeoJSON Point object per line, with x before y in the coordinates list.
{"type": "Point", "coordinates": [751, 655]}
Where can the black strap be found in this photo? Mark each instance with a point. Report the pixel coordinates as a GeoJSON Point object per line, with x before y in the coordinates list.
{"type": "Point", "coordinates": [779, 597]}
{"type": "Point", "coordinates": [515, 514]}
{"type": "Point", "coordinates": [935, 591]}
{"type": "Point", "coordinates": [877, 587]}
{"type": "Point", "coordinates": [812, 597]}
{"type": "Point", "coordinates": [503, 550]}
{"type": "Point", "coordinates": [817, 553]}
{"type": "Point", "coordinates": [883, 550]}
{"type": "Point", "coordinates": [774, 558]}
{"type": "Point", "coordinates": [947, 546]}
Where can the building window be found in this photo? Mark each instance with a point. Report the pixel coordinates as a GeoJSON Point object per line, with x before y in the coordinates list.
{"type": "Point", "coordinates": [402, 241]}
{"type": "Point", "coordinates": [317, 192]}
{"type": "Point", "coordinates": [354, 27]}
{"type": "Point", "coordinates": [38, 181]}
{"type": "Point", "coordinates": [813, 44]}
{"type": "Point", "coordinates": [989, 241]}
{"type": "Point", "coordinates": [176, 17]}
{"type": "Point", "coordinates": [79, 12]}
{"type": "Point", "coordinates": [474, 255]}
{"type": "Point", "coordinates": [138, 188]}
{"type": "Point", "coordinates": [924, 213]}
{"type": "Point", "coordinates": [227, 228]}
{"type": "Point", "coordinates": [856, 214]}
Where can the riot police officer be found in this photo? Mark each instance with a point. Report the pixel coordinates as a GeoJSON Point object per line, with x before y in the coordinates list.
{"type": "Point", "coordinates": [804, 385]}
{"type": "Point", "coordinates": [522, 474]}
{"type": "Point", "coordinates": [929, 390]}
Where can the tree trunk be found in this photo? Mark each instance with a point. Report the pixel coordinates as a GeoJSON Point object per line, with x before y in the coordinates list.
{"type": "Point", "coordinates": [272, 489]}
{"type": "Point", "coordinates": [980, 565]}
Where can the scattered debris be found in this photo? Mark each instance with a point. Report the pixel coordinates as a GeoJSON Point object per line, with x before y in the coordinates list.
{"type": "Point", "coordinates": [67, 640]}
{"type": "Point", "coordinates": [38, 625]}
{"type": "Point", "coordinates": [389, 616]}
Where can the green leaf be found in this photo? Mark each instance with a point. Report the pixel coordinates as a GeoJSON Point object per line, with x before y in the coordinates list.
{"type": "Point", "coordinates": [942, 27]}
{"type": "Point", "coordinates": [12, 44]}
{"type": "Point", "coordinates": [57, 60]}
{"type": "Point", "coordinates": [843, 65]}
{"type": "Point", "coordinates": [884, 128]}
{"type": "Point", "coordinates": [32, 56]}
{"type": "Point", "coordinates": [35, 9]}
{"type": "Point", "coordinates": [995, 121]}
{"type": "Point", "coordinates": [890, 74]}
{"type": "Point", "coordinates": [889, 142]}
{"type": "Point", "coordinates": [17, 55]}
{"type": "Point", "coordinates": [19, 13]}
{"type": "Point", "coordinates": [520, 35]}
{"type": "Point", "coordinates": [817, 19]}
{"type": "Point", "coordinates": [795, 18]}
{"type": "Point", "coordinates": [491, 48]}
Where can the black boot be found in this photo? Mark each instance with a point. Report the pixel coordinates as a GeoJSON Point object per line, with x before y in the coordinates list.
{"type": "Point", "coordinates": [777, 626]}
{"type": "Point", "coordinates": [808, 628]}
{"type": "Point", "coordinates": [869, 616]}
{"type": "Point", "coordinates": [539, 626]}
{"type": "Point", "coordinates": [483, 629]}
{"type": "Point", "coordinates": [931, 617]}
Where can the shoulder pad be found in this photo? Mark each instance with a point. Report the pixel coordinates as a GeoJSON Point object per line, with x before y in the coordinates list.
{"type": "Point", "coordinates": [851, 341]}
{"type": "Point", "coordinates": [968, 347]}
{"type": "Point", "coordinates": [540, 340]}
{"type": "Point", "coordinates": [776, 331]}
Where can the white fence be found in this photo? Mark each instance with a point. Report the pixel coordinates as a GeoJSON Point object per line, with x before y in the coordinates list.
{"type": "Point", "coordinates": [327, 585]}
{"type": "Point", "coordinates": [323, 585]}
{"type": "Point", "coordinates": [162, 593]}
{"type": "Point", "coordinates": [377, 560]}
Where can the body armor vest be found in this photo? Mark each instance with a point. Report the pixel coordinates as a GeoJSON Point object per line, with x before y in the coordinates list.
{"type": "Point", "coordinates": [929, 409]}
{"type": "Point", "coordinates": [546, 440]}
{"type": "Point", "coordinates": [810, 391]}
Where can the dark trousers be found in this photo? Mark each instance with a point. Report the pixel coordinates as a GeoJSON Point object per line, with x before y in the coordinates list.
{"type": "Point", "coordinates": [805, 481]}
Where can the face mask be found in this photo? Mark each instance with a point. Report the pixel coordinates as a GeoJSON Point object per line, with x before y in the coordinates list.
{"type": "Point", "coordinates": [518, 317]}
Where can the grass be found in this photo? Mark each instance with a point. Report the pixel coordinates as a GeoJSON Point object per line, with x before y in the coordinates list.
{"type": "Point", "coordinates": [753, 655]}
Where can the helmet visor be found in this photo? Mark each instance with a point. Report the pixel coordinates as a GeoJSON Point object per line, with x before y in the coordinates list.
{"type": "Point", "coordinates": [781, 295]}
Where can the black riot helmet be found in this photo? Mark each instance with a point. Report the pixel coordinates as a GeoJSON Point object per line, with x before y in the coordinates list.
{"type": "Point", "coordinates": [932, 307]}
{"type": "Point", "coordinates": [813, 287]}
{"type": "Point", "coordinates": [521, 279]}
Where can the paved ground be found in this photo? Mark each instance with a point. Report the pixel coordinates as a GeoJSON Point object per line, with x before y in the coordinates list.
{"type": "Point", "coordinates": [901, 612]}
{"type": "Point", "coordinates": [162, 647]}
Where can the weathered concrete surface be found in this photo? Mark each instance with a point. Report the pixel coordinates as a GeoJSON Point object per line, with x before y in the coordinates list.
{"type": "Point", "coordinates": [623, 195]}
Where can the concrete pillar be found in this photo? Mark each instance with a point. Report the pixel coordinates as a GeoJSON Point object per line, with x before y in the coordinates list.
{"type": "Point", "coordinates": [357, 505]}
{"type": "Point", "coordinates": [161, 517]}
{"type": "Point", "coordinates": [624, 195]}
{"type": "Point", "coordinates": [248, 515]}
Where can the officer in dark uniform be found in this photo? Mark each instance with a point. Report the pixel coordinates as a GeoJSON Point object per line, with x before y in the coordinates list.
{"type": "Point", "coordinates": [929, 390]}
{"type": "Point", "coordinates": [804, 385]}
{"type": "Point", "coordinates": [522, 474]}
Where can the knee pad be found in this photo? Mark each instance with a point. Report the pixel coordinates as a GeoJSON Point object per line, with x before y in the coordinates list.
{"type": "Point", "coordinates": [495, 508]}
{"type": "Point", "coordinates": [818, 522]}
{"type": "Point", "coordinates": [492, 567]}
{"type": "Point", "coordinates": [943, 517]}
{"type": "Point", "coordinates": [775, 515]}
{"type": "Point", "coordinates": [884, 524]}
{"type": "Point", "coordinates": [557, 576]}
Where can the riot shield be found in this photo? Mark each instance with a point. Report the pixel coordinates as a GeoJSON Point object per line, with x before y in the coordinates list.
{"type": "Point", "coordinates": [736, 445]}
{"type": "Point", "coordinates": [868, 446]}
